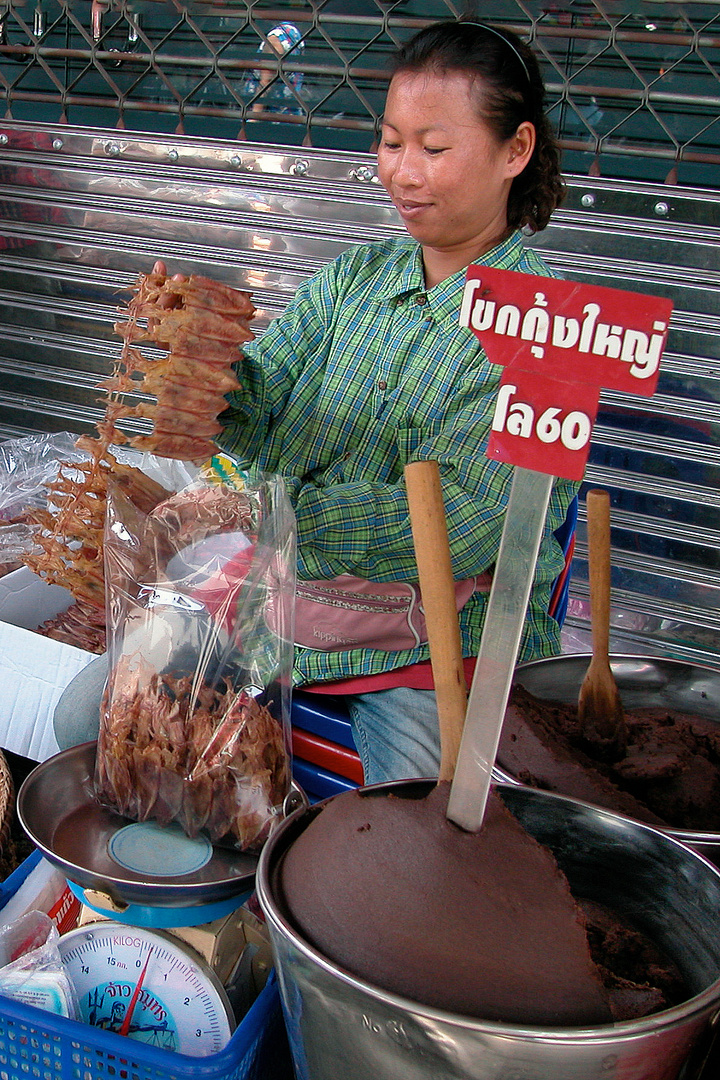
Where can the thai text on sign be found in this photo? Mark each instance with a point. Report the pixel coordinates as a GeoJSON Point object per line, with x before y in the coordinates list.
{"type": "Point", "coordinates": [560, 342]}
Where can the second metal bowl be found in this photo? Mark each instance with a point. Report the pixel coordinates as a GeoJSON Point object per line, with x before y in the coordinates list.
{"type": "Point", "coordinates": [643, 682]}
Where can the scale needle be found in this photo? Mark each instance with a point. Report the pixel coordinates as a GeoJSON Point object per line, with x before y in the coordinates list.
{"type": "Point", "coordinates": [125, 1027]}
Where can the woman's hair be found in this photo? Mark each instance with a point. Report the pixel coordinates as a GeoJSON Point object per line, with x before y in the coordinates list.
{"type": "Point", "coordinates": [509, 90]}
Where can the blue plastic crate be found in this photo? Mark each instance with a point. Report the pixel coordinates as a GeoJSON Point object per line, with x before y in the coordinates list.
{"type": "Point", "coordinates": [322, 715]}
{"type": "Point", "coordinates": [11, 884]}
{"type": "Point", "coordinates": [318, 783]}
{"type": "Point", "coordinates": [37, 1044]}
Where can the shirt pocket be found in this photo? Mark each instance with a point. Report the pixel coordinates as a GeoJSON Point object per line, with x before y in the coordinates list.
{"type": "Point", "coordinates": [409, 439]}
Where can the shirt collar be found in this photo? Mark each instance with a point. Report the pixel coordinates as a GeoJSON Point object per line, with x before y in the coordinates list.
{"type": "Point", "coordinates": [408, 277]}
{"type": "Point", "coordinates": [444, 299]}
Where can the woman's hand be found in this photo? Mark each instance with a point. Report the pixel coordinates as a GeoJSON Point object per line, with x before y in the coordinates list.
{"type": "Point", "coordinates": [167, 300]}
{"type": "Point", "coordinates": [160, 270]}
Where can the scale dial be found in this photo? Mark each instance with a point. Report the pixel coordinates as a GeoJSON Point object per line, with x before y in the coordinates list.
{"type": "Point", "coordinates": [147, 985]}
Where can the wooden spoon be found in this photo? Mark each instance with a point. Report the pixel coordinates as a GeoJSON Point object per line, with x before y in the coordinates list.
{"type": "Point", "coordinates": [600, 711]}
{"type": "Point", "coordinates": [432, 554]}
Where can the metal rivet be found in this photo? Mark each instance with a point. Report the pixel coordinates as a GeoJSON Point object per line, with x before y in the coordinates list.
{"type": "Point", "coordinates": [363, 174]}
{"type": "Point", "coordinates": [57, 144]}
{"type": "Point", "coordinates": [662, 208]}
{"type": "Point", "coordinates": [3, 140]}
{"type": "Point", "coordinates": [300, 167]}
{"type": "Point", "coordinates": [112, 148]}
{"type": "Point", "coordinates": [588, 199]}
{"type": "Point", "coordinates": [173, 155]}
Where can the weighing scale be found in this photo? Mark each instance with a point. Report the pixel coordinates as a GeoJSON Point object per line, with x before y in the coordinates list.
{"type": "Point", "coordinates": [167, 951]}
{"type": "Point", "coordinates": [147, 985]}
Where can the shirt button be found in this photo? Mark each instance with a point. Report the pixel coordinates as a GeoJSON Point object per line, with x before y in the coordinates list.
{"type": "Point", "coordinates": [421, 298]}
{"type": "Point", "coordinates": [382, 385]}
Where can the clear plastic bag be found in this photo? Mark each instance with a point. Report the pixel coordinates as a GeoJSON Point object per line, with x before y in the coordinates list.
{"type": "Point", "coordinates": [31, 465]}
{"type": "Point", "coordinates": [31, 968]}
{"type": "Point", "coordinates": [27, 465]}
{"type": "Point", "coordinates": [195, 720]}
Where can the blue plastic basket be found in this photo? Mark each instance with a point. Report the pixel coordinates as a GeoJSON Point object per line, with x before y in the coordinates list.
{"type": "Point", "coordinates": [323, 715]}
{"type": "Point", "coordinates": [37, 1044]}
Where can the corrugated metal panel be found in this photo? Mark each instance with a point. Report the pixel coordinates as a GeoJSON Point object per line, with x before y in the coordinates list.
{"type": "Point", "coordinates": [633, 87]}
{"type": "Point", "coordinates": [659, 457]}
{"type": "Point", "coordinates": [82, 212]}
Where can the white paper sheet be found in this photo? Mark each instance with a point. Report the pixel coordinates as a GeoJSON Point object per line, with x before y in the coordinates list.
{"type": "Point", "coordinates": [34, 671]}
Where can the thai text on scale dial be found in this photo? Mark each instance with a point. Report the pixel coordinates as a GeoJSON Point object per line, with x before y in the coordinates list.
{"type": "Point", "coordinates": [147, 985]}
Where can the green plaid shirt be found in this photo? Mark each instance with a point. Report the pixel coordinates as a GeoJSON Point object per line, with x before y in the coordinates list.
{"type": "Point", "coordinates": [364, 371]}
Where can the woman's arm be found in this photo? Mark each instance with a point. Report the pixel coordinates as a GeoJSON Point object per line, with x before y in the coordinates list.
{"type": "Point", "coordinates": [269, 367]}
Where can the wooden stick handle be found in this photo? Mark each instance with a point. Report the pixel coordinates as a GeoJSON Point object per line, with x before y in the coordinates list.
{"type": "Point", "coordinates": [432, 553]}
{"type": "Point", "coordinates": [598, 532]}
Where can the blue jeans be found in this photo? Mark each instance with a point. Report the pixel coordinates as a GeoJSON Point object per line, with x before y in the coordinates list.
{"type": "Point", "coordinates": [396, 733]}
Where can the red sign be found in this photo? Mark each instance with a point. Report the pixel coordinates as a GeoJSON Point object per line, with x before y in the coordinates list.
{"type": "Point", "coordinates": [560, 342]}
{"type": "Point", "coordinates": [589, 333]}
{"type": "Point", "coordinates": [542, 423]}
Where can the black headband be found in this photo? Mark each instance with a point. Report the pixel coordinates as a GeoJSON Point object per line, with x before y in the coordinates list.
{"type": "Point", "coordinates": [501, 36]}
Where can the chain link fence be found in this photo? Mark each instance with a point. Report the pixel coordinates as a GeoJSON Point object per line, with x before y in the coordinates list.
{"type": "Point", "coordinates": [633, 85]}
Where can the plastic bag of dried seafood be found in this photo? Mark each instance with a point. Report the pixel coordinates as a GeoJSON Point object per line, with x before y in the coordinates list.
{"type": "Point", "coordinates": [26, 466]}
{"type": "Point", "coordinates": [195, 720]}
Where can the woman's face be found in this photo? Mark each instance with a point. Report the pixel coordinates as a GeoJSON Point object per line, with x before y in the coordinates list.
{"type": "Point", "coordinates": [444, 169]}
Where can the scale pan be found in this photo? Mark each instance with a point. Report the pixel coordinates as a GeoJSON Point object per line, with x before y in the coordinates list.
{"type": "Point", "coordinates": [107, 855]}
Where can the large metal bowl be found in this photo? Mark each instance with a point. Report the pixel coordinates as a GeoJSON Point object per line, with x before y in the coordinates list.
{"type": "Point", "coordinates": [338, 1022]}
{"type": "Point", "coordinates": [643, 682]}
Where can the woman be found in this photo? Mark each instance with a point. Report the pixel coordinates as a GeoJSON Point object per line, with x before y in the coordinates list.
{"type": "Point", "coordinates": [368, 369]}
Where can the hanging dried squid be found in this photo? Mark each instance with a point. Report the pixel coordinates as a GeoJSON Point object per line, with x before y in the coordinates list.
{"type": "Point", "coordinates": [195, 326]}
{"type": "Point", "coordinates": [202, 324]}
